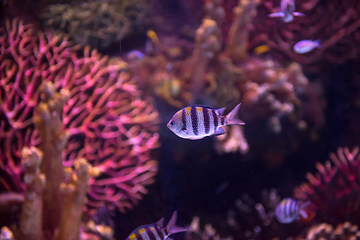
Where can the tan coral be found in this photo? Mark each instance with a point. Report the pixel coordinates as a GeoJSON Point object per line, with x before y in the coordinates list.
{"type": "Point", "coordinates": [48, 121]}
{"type": "Point", "coordinates": [237, 42]}
{"type": "Point", "coordinates": [30, 226]}
{"type": "Point", "coordinates": [75, 200]}
{"type": "Point", "coordinates": [344, 231]}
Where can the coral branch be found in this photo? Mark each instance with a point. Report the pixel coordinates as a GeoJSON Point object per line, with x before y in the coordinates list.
{"type": "Point", "coordinates": [75, 200]}
{"type": "Point", "coordinates": [207, 45]}
{"type": "Point", "coordinates": [6, 234]}
{"type": "Point", "coordinates": [31, 216]}
{"type": "Point", "coordinates": [237, 42]}
{"type": "Point", "coordinates": [334, 184]}
{"type": "Point", "coordinates": [47, 120]}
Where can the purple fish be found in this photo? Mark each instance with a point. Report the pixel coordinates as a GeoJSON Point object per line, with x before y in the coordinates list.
{"type": "Point", "coordinates": [287, 11]}
{"type": "Point", "coordinates": [305, 46]}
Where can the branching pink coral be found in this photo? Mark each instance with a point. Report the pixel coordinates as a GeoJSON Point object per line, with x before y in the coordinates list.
{"type": "Point", "coordinates": [334, 190]}
{"type": "Point", "coordinates": [108, 121]}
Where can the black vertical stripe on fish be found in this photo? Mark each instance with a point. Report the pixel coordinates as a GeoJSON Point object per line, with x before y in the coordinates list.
{"type": "Point", "coordinates": [295, 208]}
{"type": "Point", "coordinates": [183, 118]}
{"type": "Point", "coordinates": [161, 235]}
{"type": "Point", "coordinates": [206, 120]}
{"type": "Point", "coordinates": [166, 232]}
{"type": "Point", "coordinates": [215, 119]}
{"type": "Point", "coordinates": [194, 120]}
{"type": "Point", "coordinates": [287, 209]}
{"type": "Point", "coordinates": [150, 234]}
{"type": "Point", "coordinates": [138, 235]}
{"type": "Point", "coordinates": [222, 120]}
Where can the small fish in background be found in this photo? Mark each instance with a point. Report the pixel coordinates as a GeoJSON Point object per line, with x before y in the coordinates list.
{"type": "Point", "coordinates": [287, 11]}
{"type": "Point", "coordinates": [198, 121]}
{"type": "Point", "coordinates": [156, 231]}
{"type": "Point", "coordinates": [135, 55]}
{"type": "Point", "coordinates": [261, 49]}
{"type": "Point", "coordinates": [305, 46]}
{"type": "Point", "coordinates": [289, 210]}
{"type": "Point", "coordinates": [222, 187]}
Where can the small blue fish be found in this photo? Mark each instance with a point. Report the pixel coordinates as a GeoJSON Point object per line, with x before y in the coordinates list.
{"type": "Point", "coordinates": [198, 121]}
{"type": "Point", "coordinates": [305, 46]}
{"type": "Point", "coordinates": [289, 210]}
{"type": "Point", "coordinates": [156, 231]}
{"type": "Point", "coordinates": [287, 11]}
{"type": "Point", "coordinates": [135, 55]}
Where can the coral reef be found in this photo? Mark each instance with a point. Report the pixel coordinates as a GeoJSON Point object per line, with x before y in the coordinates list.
{"type": "Point", "coordinates": [251, 220]}
{"type": "Point", "coordinates": [334, 190]}
{"type": "Point", "coordinates": [208, 233]}
{"type": "Point", "coordinates": [106, 120]}
{"type": "Point", "coordinates": [96, 23]}
{"type": "Point", "coordinates": [37, 215]}
{"type": "Point", "coordinates": [344, 231]}
{"type": "Point", "coordinates": [233, 141]}
{"type": "Point", "coordinates": [335, 24]}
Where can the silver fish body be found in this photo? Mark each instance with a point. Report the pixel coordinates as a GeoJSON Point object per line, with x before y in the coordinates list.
{"type": "Point", "coordinates": [197, 121]}
{"type": "Point", "coordinates": [305, 46]}
{"type": "Point", "coordinates": [287, 11]}
{"type": "Point", "coordinates": [156, 231]}
{"type": "Point", "coordinates": [289, 210]}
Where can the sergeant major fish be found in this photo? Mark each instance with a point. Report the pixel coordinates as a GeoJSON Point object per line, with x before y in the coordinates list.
{"type": "Point", "coordinates": [287, 11]}
{"type": "Point", "coordinates": [289, 210]}
{"type": "Point", "coordinates": [156, 231]}
{"type": "Point", "coordinates": [198, 121]}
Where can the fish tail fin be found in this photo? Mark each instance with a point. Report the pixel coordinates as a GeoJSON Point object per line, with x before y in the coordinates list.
{"type": "Point", "coordinates": [317, 41]}
{"type": "Point", "coordinates": [231, 117]}
{"type": "Point", "coordinates": [302, 207]}
{"type": "Point", "coordinates": [171, 228]}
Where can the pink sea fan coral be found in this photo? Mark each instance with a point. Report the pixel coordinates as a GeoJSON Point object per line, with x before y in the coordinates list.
{"type": "Point", "coordinates": [108, 120]}
{"type": "Point", "coordinates": [334, 190]}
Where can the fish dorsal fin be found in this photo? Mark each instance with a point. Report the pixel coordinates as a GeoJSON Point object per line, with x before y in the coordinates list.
{"type": "Point", "coordinates": [220, 111]}
{"type": "Point", "coordinates": [160, 223]}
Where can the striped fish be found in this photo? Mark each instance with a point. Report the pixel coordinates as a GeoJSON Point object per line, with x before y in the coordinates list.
{"type": "Point", "coordinates": [156, 231]}
{"type": "Point", "coordinates": [289, 210]}
{"type": "Point", "coordinates": [198, 121]}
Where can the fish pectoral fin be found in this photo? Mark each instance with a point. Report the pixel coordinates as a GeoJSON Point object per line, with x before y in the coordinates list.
{"type": "Point", "coordinates": [183, 129]}
{"type": "Point", "coordinates": [298, 14]}
{"type": "Point", "coordinates": [219, 131]}
{"type": "Point", "coordinates": [277, 14]}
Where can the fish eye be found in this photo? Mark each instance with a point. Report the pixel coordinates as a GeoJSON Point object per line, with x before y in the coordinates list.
{"type": "Point", "coordinates": [172, 123]}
